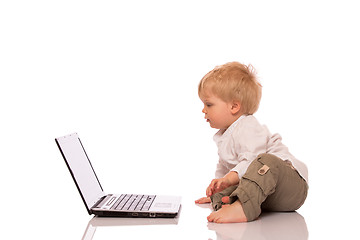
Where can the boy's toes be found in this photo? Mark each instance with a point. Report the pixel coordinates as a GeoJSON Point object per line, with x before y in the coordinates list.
{"type": "Point", "coordinates": [211, 217]}
{"type": "Point", "coordinates": [203, 200]}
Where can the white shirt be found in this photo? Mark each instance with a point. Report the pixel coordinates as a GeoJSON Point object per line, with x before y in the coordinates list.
{"type": "Point", "coordinates": [243, 141]}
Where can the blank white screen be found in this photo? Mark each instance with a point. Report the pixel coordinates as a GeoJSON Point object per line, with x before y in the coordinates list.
{"type": "Point", "coordinates": [81, 169]}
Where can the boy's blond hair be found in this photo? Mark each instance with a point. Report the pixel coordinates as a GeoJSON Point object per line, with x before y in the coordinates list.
{"type": "Point", "coordinates": [233, 81]}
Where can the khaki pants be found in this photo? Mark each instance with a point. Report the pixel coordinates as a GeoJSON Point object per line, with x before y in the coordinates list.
{"type": "Point", "coordinates": [269, 184]}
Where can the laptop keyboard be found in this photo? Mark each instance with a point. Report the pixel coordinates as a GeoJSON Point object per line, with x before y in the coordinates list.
{"type": "Point", "coordinates": [133, 202]}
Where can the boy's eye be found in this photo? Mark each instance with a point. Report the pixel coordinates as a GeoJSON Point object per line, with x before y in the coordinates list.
{"type": "Point", "coordinates": [208, 104]}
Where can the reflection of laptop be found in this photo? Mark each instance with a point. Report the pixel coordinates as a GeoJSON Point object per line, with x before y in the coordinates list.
{"type": "Point", "coordinates": [110, 205]}
{"type": "Point", "coordinates": [96, 222]}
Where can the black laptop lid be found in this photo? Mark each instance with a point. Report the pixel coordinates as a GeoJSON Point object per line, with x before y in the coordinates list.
{"type": "Point", "coordinates": [81, 169]}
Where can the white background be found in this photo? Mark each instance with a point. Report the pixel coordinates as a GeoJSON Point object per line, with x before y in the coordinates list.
{"type": "Point", "coordinates": [124, 75]}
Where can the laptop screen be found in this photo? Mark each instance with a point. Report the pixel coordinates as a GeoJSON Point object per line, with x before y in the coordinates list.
{"type": "Point", "coordinates": [80, 169]}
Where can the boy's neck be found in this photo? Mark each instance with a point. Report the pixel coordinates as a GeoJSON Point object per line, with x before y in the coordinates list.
{"type": "Point", "coordinates": [236, 120]}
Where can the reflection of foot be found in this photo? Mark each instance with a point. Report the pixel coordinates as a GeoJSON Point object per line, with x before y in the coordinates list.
{"type": "Point", "coordinates": [228, 214]}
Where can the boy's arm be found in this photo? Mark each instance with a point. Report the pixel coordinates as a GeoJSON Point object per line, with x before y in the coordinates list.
{"type": "Point", "coordinates": [217, 185]}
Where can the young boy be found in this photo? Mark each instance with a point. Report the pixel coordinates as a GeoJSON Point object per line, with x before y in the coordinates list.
{"type": "Point", "coordinates": [255, 172]}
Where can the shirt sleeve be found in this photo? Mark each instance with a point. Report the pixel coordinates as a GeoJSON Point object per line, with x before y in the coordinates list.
{"type": "Point", "coordinates": [241, 167]}
{"type": "Point", "coordinates": [221, 170]}
{"type": "Point", "coordinates": [248, 146]}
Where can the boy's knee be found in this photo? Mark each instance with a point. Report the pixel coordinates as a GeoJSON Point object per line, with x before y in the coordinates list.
{"type": "Point", "coordinates": [264, 172]}
{"type": "Point", "coordinates": [269, 160]}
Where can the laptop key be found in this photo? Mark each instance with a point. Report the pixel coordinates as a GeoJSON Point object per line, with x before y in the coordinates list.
{"type": "Point", "coordinates": [117, 202]}
{"type": "Point", "coordinates": [141, 203]}
{"type": "Point", "coordinates": [135, 202]}
{"type": "Point", "coordinates": [123, 201]}
{"type": "Point", "coordinates": [148, 202]}
{"type": "Point", "coordinates": [130, 202]}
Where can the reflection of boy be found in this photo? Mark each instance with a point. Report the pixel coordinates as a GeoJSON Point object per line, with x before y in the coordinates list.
{"type": "Point", "coordinates": [255, 170]}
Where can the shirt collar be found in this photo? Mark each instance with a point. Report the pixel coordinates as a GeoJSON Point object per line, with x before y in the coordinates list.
{"type": "Point", "coordinates": [222, 133]}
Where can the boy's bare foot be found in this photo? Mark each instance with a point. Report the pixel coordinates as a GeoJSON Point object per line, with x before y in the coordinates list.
{"type": "Point", "coordinates": [228, 214]}
{"type": "Point", "coordinates": [203, 200]}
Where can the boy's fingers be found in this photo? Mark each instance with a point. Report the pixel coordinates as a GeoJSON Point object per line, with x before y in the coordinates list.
{"type": "Point", "coordinates": [209, 190]}
{"type": "Point", "coordinates": [218, 186]}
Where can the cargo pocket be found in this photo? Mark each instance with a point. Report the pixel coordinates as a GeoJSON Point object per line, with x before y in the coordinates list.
{"type": "Point", "coordinates": [264, 176]}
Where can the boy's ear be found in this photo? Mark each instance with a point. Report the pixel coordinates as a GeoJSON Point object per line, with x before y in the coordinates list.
{"type": "Point", "coordinates": [235, 107]}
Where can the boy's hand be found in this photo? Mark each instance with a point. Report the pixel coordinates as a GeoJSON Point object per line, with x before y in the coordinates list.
{"type": "Point", "coordinates": [217, 185]}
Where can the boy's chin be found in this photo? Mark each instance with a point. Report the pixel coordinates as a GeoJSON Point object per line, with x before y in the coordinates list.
{"type": "Point", "coordinates": [215, 127]}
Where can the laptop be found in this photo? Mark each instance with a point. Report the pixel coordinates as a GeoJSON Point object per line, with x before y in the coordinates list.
{"type": "Point", "coordinates": [110, 205]}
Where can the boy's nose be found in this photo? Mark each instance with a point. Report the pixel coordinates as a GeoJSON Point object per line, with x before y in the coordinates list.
{"type": "Point", "coordinates": [203, 110]}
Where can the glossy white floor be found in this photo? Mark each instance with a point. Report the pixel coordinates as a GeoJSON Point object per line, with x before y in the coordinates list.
{"type": "Point", "coordinates": [192, 225]}
{"type": "Point", "coordinates": [124, 75]}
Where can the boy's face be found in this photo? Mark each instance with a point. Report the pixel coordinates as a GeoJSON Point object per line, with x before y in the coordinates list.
{"type": "Point", "coordinates": [217, 112]}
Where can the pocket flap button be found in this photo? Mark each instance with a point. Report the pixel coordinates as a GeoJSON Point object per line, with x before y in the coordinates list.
{"type": "Point", "coordinates": [263, 170]}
